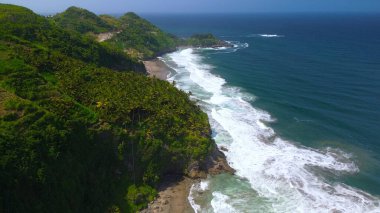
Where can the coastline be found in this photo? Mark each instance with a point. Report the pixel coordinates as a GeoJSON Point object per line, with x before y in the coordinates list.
{"type": "Point", "coordinates": [174, 190]}
{"type": "Point", "coordinates": [172, 196]}
{"type": "Point", "coordinates": [157, 68]}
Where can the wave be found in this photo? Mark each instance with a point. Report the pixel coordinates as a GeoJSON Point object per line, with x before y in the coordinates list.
{"type": "Point", "coordinates": [219, 203]}
{"type": "Point", "coordinates": [270, 35]}
{"type": "Point", "coordinates": [283, 173]}
{"type": "Point", "coordinates": [255, 35]}
{"type": "Point", "coordinates": [236, 45]}
{"type": "Point", "coordinates": [265, 35]}
{"type": "Point", "coordinates": [196, 207]}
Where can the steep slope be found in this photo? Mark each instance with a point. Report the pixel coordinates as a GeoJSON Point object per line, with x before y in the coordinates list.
{"type": "Point", "coordinates": [82, 21]}
{"type": "Point", "coordinates": [24, 25]}
{"type": "Point", "coordinates": [141, 39]}
{"type": "Point", "coordinates": [76, 134]}
{"type": "Point", "coordinates": [131, 34]}
{"type": "Point", "coordinates": [111, 21]}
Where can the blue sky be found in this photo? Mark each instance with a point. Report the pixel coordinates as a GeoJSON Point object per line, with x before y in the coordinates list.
{"type": "Point", "coordinates": [202, 6]}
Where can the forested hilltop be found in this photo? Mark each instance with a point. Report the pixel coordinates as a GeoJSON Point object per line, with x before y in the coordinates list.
{"type": "Point", "coordinates": [81, 128]}
{"type": "Point", "coordinates": [131, 34]}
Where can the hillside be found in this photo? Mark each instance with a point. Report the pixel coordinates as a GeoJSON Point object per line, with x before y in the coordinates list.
{"type": "Point", "coordinates": [204, 40]}
{"type": "Point", "coordinates": [78, 132]}
{"type": "Point", "coordinates": [82, 21]}
{"type": "Point", "coordinates": [137, 37]}
{"type": "Point", "coordinates": [111, 21]}
{"type": "Point", "coordinates": [25, 26]}
{"type": "Point", "coordinates": [141, 39]}
{"type": "Point", "coordinates": [130, 33]}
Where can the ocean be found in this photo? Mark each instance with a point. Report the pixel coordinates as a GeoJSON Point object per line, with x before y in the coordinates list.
{"type": "Point", "coordinates": [296, 102]}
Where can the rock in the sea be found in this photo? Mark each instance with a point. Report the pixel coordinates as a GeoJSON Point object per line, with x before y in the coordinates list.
{"type": "Point", "coordinates": [223, 148]}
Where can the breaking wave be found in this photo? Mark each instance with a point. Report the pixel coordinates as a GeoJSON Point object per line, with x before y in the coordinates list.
{"type": "Point", "coordinates": [283, 173]}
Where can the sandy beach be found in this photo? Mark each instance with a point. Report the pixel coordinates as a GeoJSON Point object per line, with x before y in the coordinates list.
{"type": "Point", "coordinates": [172, 197]}
{"type": "Point", "coordinates": [157, 68]}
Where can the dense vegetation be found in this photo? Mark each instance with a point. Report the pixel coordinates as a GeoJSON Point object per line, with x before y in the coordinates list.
{"type": "Point", "coordinates": [111, 21]}
{"type": "Point", "coordinates": [20, 25]}
{"type": "Point", "coordinates": [132, 34]}
{"type": "Point", "coordinates": [205, 40]}
{"type": "Point", "coordinates": [142, 39]}
{"type": "Point", "coordinates": [77, 132]}
{"type": "Point", "coordinates": [135, 36]}
{"type": "Point", "coordinates": [83, 21]}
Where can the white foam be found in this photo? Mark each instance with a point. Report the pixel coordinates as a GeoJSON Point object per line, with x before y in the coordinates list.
{"type": "Point", "coordinates": [278, 170]}
{"type": "Point", "coordinates": [203, 185]}
{"type": "Point", "coordinates": [264, 35]}
{"type": "Point", "coordinates": [238, 44]}
{"type": "Point", "coordinates": [190, 198]}
{"type": "Point", "coordinates": [235, 46]}
{"type": "Point", "coordinates": [270, 35]}
{"type": "Point", "coordinates": [206, 80]}
{"type": "Point", "coordinates": [220, 204]}
{"type": "Point", "coordinates": [197, 188]}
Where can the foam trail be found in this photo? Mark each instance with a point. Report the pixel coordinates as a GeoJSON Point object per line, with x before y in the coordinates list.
{"type": "Point", "coordinates": [236, 45]}
{"type": "Point", "coordinates": [265, 35]}
{"type": "Point", "coordinates": [197, 187]}
{"type": "Point", "coordinates": [196, 207]}
{"type": "Point", "coordinates": [269, 35]}
{"type": "Point", "coordinates": [220, 203]}
{"type": "Point", "coordinates": [278, 170]}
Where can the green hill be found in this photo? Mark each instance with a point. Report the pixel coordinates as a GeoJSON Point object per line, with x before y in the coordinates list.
{"type": "Point", "coordinates": [82, 21]}
{"type": "Point", "coordinates": [77, 132]}
{"type": "Point", "coordinates": [142, 39]}
{"type": "Point", "coordinates": [111, 21]}
{"type": "Point", "coordinates": [135, 36]}
{"type": "Point", "coordinates": [25, 26]}
{"type": "Point", "coordinates": [205, 40]}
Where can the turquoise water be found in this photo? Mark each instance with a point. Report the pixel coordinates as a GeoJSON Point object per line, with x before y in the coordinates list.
{"type": "Point", "coordinates": [297, 104]}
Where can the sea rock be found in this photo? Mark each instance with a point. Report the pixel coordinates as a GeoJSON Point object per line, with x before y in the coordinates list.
{"type": "Point", "coordinates": [223, 148]}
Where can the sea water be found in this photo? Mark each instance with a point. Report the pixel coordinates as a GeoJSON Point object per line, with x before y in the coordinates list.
{"type": "Point", "coordinates": [295, 101]}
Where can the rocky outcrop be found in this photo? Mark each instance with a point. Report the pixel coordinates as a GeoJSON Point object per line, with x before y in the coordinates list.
{"type": "Point", "coordinates": [205, 41]}
{"type": "Point", "coordinates": [214, 164]}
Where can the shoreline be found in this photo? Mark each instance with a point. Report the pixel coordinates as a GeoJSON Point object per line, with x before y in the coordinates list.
{"type": "Point", "coordinates": [173, 193]}
{"type": "Point", "coordinates": [174, 190]}
{"type": "Point", "coordinates": [157, 68]}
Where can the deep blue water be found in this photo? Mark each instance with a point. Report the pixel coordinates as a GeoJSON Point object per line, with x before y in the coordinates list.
{"type": "Point", "coordinates": [319, 78]}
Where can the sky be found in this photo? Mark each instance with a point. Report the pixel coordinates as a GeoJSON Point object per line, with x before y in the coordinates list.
{"type": "Point", "coordinates": [202, 6]}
